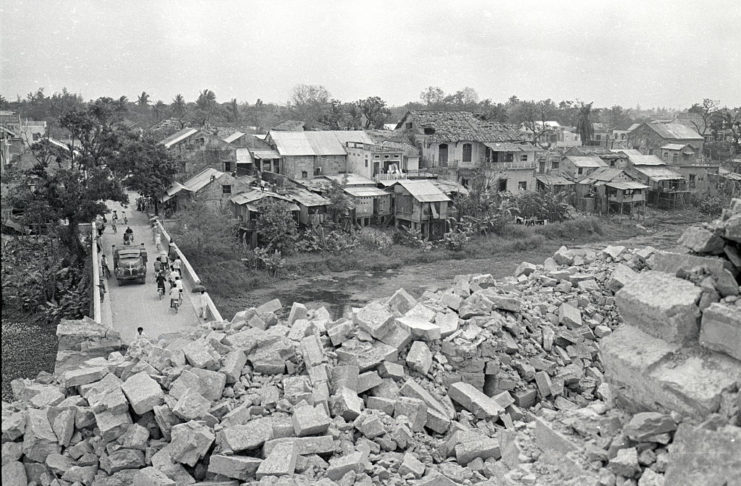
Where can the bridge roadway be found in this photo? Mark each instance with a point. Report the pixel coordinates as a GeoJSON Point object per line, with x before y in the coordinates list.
{"type": "Point", "coordinates": [131, 305]}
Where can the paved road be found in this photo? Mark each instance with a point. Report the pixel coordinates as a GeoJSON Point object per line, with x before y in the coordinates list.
{"type": "Point", "coordinates": [131, 305]}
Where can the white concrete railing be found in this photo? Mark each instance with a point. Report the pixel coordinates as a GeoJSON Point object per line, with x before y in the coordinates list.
{"type": "Point", "coordinates": [96, 276]}
{"type": "Point", "coordinates": [190, 275]}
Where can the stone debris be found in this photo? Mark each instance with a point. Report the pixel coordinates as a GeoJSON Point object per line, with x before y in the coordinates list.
{"type": "Point", "coordinates": [541, 378]}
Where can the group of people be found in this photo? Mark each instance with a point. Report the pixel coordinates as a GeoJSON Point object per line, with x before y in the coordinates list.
{"type": "Point", "coordinates": [143, 204]}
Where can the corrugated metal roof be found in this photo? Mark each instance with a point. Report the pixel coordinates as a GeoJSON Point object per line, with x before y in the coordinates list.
{"type": "Point", "coordinates": [662, 173]}
{"type": "Point", "coordinates": [512, 147]}
{"type": "Point", "coordinates": [202, 179]}
{"type": "Point", "coordinates": [319, 143]}
{"type": "Point", "coordinates": [234, 136]}
{"type": "Point", "coordinates": [175, 188]}
{"type": "Point", "coordinates": [361, 191]}
{"type": "Point", "coordinates": [305, 198]}
{"type": "Point", "coordinates": [622, 185]}
{"type": "Point", "coordinates": [603, 174]}
{"type": "Point", "coordinates": [553, 180]}
{"type": "Point", "coordinates": [178, 137]}
{"type": "Point", "coordinates": [586, 161]}
{"type": "Point", "coordinates": [423, 190]}
{"type": "Point", "coordinates": [675, 131]}
{"type": "Point", "coordinates": [637, 158]}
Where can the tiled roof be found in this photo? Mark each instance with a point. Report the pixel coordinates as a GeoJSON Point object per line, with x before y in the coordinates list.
{"type": "Point", "coordinates": [637, 158]}
{"type": "Point", "coordinates": [460, 126]}
{"type": "Point", "coordinates": [320, 143]}
{"type": "Point", "coordinates": [553, 180]}
{"type": "Point", "coordinates": [661, 173]}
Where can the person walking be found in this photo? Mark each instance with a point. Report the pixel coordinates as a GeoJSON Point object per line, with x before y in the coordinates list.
{"type": "Point", "coordinates": [125, 218]}
{"type": "Point", "coordinates": [113, 226]}
{"type": "Point", "coordinates": [202, 305]}
{"type": "Point", "coordinates": [177, 265]}
{"type": "Point", "coordinates": [158, 240]}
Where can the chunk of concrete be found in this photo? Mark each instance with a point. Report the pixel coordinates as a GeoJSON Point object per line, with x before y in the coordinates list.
{"type": "Point", "coordinates": [569, 315]}
{"type": "Point", "coordinates": [272, 306]}
{"type": "Point", "coordinates": [721, 329]}
{"type": "Point", "coordinates": [414, 409]}
{"type": "Point", "coordinates": [375, 319]}
{"type": "Point", "coordinates": [661, 305]}
{"type": "Point", "coordinates": [419, 357]}
{"type": "Point", "coordinates": [702, 456]}
{"type": "Point", "coordinates": [308, 420]}
{"type": "Point", "coordinates": [143, 393]}
{"type": "Point", "coordinates": [150, 476]}
{"type": "Point", "coordinates": [474, 401]}
{"type": "Point", "coordinates": [280, 462]}
{"type": "Point", "coordinates": [483, 447]}
{"type": "Point", "coordinates": [191, 406]}
{"type": "Point", "coordinates": [234, 362]}
{"type": "Point", "coordinates": [211, 383]}
{"type": "Point", "coordinates": [650, 373]}
{"type": "Point", "coordinates": [298, 311]}
{"type": "Point", "coordinates": [420, 328]}
{"type": "Point", "coordinates": [644, 425]}
{"type": "Point", "coordinates": [248, 436]}
{"type": "Point", "coordinates": [411, 465]}
{"type": "Point", "coordinates": [14, 474]}
{"type": "Point", "coordinates": [621, 275]}
{"type": "Point", "coordinates": [236, 467]}
{"type": "Point", "coordinates": [339, 466]}
{"type": "Point", "coordinates": [701, 240]}
{"type": "Point", "coordinates": [401, 302]}
{"type": "Point", "coordinates": [39, 440]}
{"type": "Point", "coordinates": [625, 463]}
{"type": "Point", "coordinates": [305, 446]}
{"type": "Point", "coordinates": [190, 442]}
{"type": "Point", "coordinates": [548, 439]}
{"type": "Point", "coordinates": [347, 404]}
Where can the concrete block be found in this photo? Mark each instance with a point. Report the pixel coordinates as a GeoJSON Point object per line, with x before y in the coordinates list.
{"type": "Point", "coordinates": [14, 474]}
{"type": "Point", "coordinates": [398, 337]}
{"type": "Point", "coordinates": [483, 447]}
{"type": "Point", "coordinates": [347, 404]}
{"type": "Point", "coordinates": [308, 420]}
{"type": "Point", "coordinates": [280, 462]}
{"type": "Point", "coordinates": [198, 355]}
{"type": "Point", "coordinates": [621, 275]}
{"type": "Point", "coordinates": [245, 437]}
{"type": "Point", "coordinates": [368, 381]}
{"type": "Point", "coordinates": [39, 439]}
{"type": "Point", "coordinates": [150, 476]}
{"type": "Point", "coordinates": [192, 406]}
{"type": "Point", "coordinates": [448, 323]}
{"type": "Point", "coordinates": [236, 467]}
{"type": "Point", "coordinates": [401, 302]}
{"type": "Point", "coordinates": [699, 455]}
{"type": "Point", "coordinates": [375, 319]}
{"type": "Point", "coordinates": [422, 312]}
{"type": "Point", "coordinates": [339, 466]}
{"type": "Point", "coordinates": [83, 376]}
{"type": "Point", "coordinates": [270, 307]}
{"type": "Point", "coordinates": [721, 329]}
{"type": "Point", "coordinates": [701, 240]}
{"type": "Point", "coordinates": [419, 357]}
{"type": "Point", "coordinates": [305, 446]}
{"type": "Point", "coordinates": [548, 439]}
{"type": "Point", "coordinates": [298, 311]}
{"type": "Point", "coordinates": [234, 362]}
{"type": "Point", "coordinates": [386, 405]}
{"type": "Point", "coordinates": [391, 370]}
{"type": "Point", "coordinates": [312, 351]}
{"type": "Point", "coordinates": [569, 316]}
{"type": "Point", "coordinates": [419, 328]}
{"type": "Point", "coordinates": [414, 409]}
{"type": "Point", "coordinates": [211, 383]}
{"type": "Point", "coordinates": [190, 442]}
{"type": "Point", "coordinates": [661, 305]}
{"type": "Point", "coordinates": [143, 393]}
{"type": "Point", "coordinates": [474, 401]}
{"type": "Point", "coordinates": [411, 465]}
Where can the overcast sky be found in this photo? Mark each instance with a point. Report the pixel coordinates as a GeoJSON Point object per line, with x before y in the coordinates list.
{"type": "Point", "coordinates": [652, 53]}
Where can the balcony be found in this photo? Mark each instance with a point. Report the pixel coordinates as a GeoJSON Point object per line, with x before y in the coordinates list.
{"type": "Point", "coordinates": [514, 165]}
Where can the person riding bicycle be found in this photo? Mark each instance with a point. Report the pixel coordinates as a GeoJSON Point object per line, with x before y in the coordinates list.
{"type": "Point", "coordinates": [174, 298]}
{"type": "Point", "coordinates": [128, 235]}
{"type": "Point", "coordinates": [160, 279]}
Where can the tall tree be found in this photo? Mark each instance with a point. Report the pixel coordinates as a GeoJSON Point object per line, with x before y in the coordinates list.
{"type": "Point", "coordinates": [158, 110]}
{"type": "Point", "coordinates": [143, 100]}
{"type": "Point", "coordinates": [233, 111]}
{"type": "Point", "coordinates": [310, 103]}
{"type": "Point", "coordinates": [584, 123]}
{"type": "Point", "coordinates": [432, 95]}
{"type": "Point", "coordinates": [533, 116]}
{"type": "Point", "coordinates": [705, 112]}
{"type": "Point", "coordinates": [149, 167]}
{"type": "Point", "coordinates": [74, 188]}
{"type": "Point", "coordinates": [179, 108]}
{"type": "Point", "coordinates": [205, 106]}
{"type": "Point", "coordinates": [374, 110]}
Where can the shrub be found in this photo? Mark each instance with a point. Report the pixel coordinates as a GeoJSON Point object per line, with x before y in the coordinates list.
{"type": "Point", "coordinates": [276, 228]}
{"type": "Point", "coordinates": [455, 240]}
{"type": "Point", "coordinates": [710, 205]}
{"type": "Point", "coordinates": [202, 230]}
{"type": "Point", "coordinates": [374, 239]}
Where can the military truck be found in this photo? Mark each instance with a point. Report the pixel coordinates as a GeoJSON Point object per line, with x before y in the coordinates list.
{"type": "Point", "coordinates": [130, 264]}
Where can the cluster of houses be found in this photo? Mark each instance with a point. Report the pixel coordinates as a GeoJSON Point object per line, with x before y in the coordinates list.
{"type": "Point", "coordinates": [408, 173]}
{"type": "Point", "coordinates": [408, 176]}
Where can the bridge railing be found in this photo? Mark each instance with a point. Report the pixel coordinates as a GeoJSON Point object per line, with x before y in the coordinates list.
{"type": "Point", "coordinates": [190, 275]}
{"type": "Point", "coordinates": [96, 276]}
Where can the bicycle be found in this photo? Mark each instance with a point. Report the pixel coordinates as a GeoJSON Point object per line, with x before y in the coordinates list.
{"type": "Point", "coordinates": [175, 304]}
{"type": "Point", "coordinates": [106, 271]}
{"type": "Point", "coordinates": [161, 292]}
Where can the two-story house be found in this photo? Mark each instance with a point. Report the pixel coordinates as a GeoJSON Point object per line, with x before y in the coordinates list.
{"type": "Point", "coordinates": [305, 155]}
{"type": "Point", "coordinates": [457, 144]}
{"type": "Point", "coordinates": [679, 146]}
{"type": "Point", "coordinates": [196, 150]}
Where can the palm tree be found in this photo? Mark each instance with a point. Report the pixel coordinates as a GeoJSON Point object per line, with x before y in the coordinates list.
{"type": "Point", "coordinates": [233, 108]}
{"type": "Point", "coordinates": [584, 124]}
{"type": "Point", "coordinates": [178, 107]}
{"type": "Point", "coordinates": [206, 103]}
{"type": "Point", "coordinates": [158, 110]}
{"type": "Point", "coordinates": [143, 99]}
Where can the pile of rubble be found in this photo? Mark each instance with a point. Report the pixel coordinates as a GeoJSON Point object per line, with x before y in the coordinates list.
{"type": "Point", "coordinates": [488, 382]}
